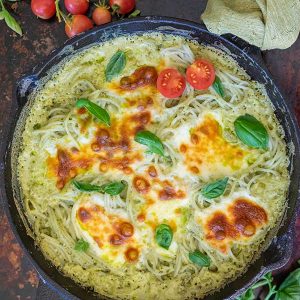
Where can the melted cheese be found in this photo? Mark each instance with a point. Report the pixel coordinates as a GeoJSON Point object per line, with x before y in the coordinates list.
{"type": "Point", "coordinates": [104, 231]}
{"type": "Point", "coordinates": [205, 152]}
{"type": "Point", "coordinates": [165, 201]}
{"type": "Point", "coordinates": [235, 219]}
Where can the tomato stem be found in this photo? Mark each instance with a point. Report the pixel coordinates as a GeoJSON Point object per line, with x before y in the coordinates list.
{"type": "Point", "coordinates": [59, 13]}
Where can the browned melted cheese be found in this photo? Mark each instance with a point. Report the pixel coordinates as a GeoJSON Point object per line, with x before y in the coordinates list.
{"type": "Point", "coordinates": [67, 164]}
{"type": "Point", "coordinates": [85, 119]}
{"type": "Point", "coordinates": [207, 149]}
{"type": "Point", "coordinates": [163, 189]}
{"type": "Point", "coordinates": [111, 148]}
{"type": "Point", "coordinates": [112, 233]}
{"type": "Point", "coordinates": [241, 221]}
{"type": "Point", "coordinates": [146, 75]}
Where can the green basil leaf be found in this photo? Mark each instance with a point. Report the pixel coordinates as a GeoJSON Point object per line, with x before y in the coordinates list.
{"type": "Point", "coordinates": [251, 132]}
{"type": "Point", "coordinates": [114, 188]}
{"type": "Point", "coordinates": [100, 113]}
{"type": "Point", "coordinates": [116, 65]}
{"type": "Point", "coordinates": [11, 22]}
{"type": "Point", "coordinates": [134, 14]}
{"type": "Point", "coordinates": [218, 86]}
{"type": "Point", "coordinates": [1, 15]}
{"type": "Point", "coordinates": [214, 189]}
{"type": "Point", "coordinates": [199, 258]}
{"type": "Point", "coordinates": [81, 245]}
{"type": "Point", "coordinates": [150, 140]}
{"type": "Point", "coordinates": [164, 235]}
{"type": "Point", "coordinates": [290, 288]}
{"type": "Point", "coordinates": [86, 187]}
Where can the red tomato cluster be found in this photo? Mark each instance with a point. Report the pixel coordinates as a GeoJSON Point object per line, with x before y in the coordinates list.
{"type": "Point", "coordinates": [200, 75]}
{"type": "Point", "coordinates": [78, 21]}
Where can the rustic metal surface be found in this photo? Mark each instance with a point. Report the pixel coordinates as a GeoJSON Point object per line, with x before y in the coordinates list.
{"type": "Point", "coordinates": [18, 280]}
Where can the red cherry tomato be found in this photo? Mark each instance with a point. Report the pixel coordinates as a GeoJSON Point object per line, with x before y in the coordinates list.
{"type": "Point", "coordinates": [44, 9]}
{"type": "Point", "coordinates": [77, 7]}
{"type": "Point", "coordinates": [101, 15]}
{"type": "Point", "coordinates": [170, 83]}
{"type": "Point", "coordinates": [78, 24]}
{"type": "Point", "coordinates": [125, 6]}
{"type": "Point", "coordinates": [201, 74]}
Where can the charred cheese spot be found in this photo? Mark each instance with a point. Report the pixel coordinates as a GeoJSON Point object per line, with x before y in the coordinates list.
{"type": "Point", "coordinates": [152, 171]}
{"type": "Point", "coordinates": [66, 165]}
{"type": "Point", "coordinates": [141, 103]}
{"type": "Point", "coordinates": [83, 215]}
{"type": "Point", "coordinates": [142, 76]}
{"type": "Point", "coordinates": [240, 220]}
{"type": "Point", "coordinates": [132, 254]}
{"type": "Point", "coordinates": [169, 192]}
{"type": "Point", "coordinates": [141, 217]}
{"type": "Point", "coordinates": [111, 235]}
{"type": "Point", "coordinates": [141, 184]}
{"type": "Point", "coordinates": [85, 119]}
{"type": "Point", "coordinates": [116, 239]}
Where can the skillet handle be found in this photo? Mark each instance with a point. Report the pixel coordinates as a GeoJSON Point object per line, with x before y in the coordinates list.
{"type": "Point", "coordinates": [23, 88]}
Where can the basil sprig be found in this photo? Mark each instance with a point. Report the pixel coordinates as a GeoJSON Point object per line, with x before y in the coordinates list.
{"type": "Point", "coordinates": [251, 132]}
{"type": "Point", "coordinates": [81, 245]}
{"type": "Point", "coordinates": [116, 65]}
{"type": "Point", "coordinates": [218, 87]}
{"type": "Point", "coordinates": [9, 19]}
{"type": "Point", "coordinates": [200, 259]}
{"type": "Point", "coordinates": [100, 113]}
{"type": "Point", "coordinates": [150, 140]}
{"type": "Point", "coordinates": [164, 235]}
{"type": "Point", "coordinates": [214, 189]}
{"type": "Point", "coordinates": [113, 188]}
{"type": "Point", "coordinates": [290, 288]}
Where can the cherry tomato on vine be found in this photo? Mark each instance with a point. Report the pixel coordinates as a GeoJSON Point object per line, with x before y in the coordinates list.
{"type": "Point", "coordinates": [171, 83]}
{"type": "Point", "coordinates": [101, 15]}
{"type": "Point", "coordinates": [201, 74]}
{"type": "Point", "coordinates": [78, 24]}
{"type": "Point", "coordinates": [124, 6]}
{"type": "Point", "coordinates": [77, 7]}
{"type": "Point", "coordinates": [44, 9]}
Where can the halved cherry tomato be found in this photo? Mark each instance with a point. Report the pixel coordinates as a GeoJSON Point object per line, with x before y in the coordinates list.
{"type": "Point", "coordinates": [201, 74]}
{"type": "Point", "coordinates": [124, 6]}
{"type": "Point", "coordinates": [44, 9]}
{"type": "Point", "coordinates": [78, 24]}
{"type": "Point", "coordinates": [170, 83]}
{"type": "Point", "coordinates": [101, 15]}
{"type": "Point", "coordinates": [77, 7]}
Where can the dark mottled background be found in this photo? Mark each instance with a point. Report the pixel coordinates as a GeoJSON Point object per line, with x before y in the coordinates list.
{"type": "Point", "coordinates": [18, 279]}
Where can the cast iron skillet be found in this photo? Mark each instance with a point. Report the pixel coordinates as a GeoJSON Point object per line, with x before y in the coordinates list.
{"type": "Point", "coordinates": [278, 247]}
